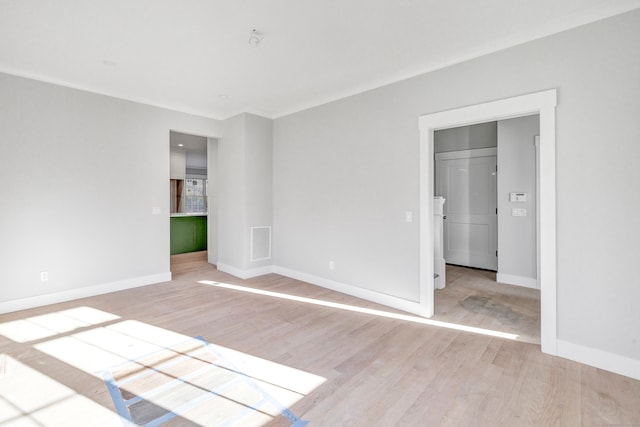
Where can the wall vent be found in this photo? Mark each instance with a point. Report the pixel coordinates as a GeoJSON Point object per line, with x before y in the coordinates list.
{"type": "Point", "coordinates": [260, 243]}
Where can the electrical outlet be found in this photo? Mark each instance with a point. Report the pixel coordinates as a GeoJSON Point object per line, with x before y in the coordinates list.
{"type": "Point", "coordinates": [332, 265]}
{"type": "Point", "coordinates": [44, 276]}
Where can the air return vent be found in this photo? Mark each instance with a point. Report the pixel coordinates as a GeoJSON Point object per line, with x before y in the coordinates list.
{"type": "Point", "coordinates": [260, 243]}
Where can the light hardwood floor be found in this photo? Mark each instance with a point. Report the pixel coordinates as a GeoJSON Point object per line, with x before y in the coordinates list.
{"type": "Point", "coordinates": [473, 297]}
{"type": "Point", "coordinates": [376, 370]}
{"type": "Point", "coordinates": [182, 263]}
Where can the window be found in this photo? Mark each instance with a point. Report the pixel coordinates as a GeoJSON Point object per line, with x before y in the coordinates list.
{"type": "Point", "coordinates": [196, 195]}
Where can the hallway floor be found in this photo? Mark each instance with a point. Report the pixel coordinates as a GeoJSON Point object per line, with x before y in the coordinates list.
{"type": "Point", "coordinates": [472, 297]}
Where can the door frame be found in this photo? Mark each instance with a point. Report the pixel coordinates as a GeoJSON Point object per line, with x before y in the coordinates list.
{"type": "Point", "coordinates": [542, 103]}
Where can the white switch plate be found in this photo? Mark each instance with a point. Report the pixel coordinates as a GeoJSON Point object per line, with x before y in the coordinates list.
{"type": "Point", "coordinates": [517, 197]}
{"type": "Point", "coordinates": [44, 276]}
{"type": "Point", "coordinates": [155, 210]}
{"type": "Point", "coordinates": [518, 212]}
{"type": "Point", "coordinates": [408, 216]}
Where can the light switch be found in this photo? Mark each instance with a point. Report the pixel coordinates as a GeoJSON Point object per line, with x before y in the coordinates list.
{"type": "Point", "coordinates": [155, 210]}
{"type": "Point", "coordinates": [518, 212]}
{"type": "Point", "coordinates": [408, 216]}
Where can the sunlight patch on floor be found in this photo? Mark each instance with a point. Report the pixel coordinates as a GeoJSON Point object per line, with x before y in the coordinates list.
{"type": "Point", "coordinates": [51, 324]}
{"type": "Point", "coordinates": [193, 381]}
{"type": "Point", "coordinates": [363, 310]}
{"type": "Point", "coordinates": [30, 398]}
{"type": "Point", "coordinates": [100, 348]}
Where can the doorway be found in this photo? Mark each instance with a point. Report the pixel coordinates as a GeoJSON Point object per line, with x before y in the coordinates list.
{"type": "Point", "coordinates": [542, 103]}
{"type": "Point", "coordinates": [193, 199]}
{"type": "Point", "coordinates": [477, 224]}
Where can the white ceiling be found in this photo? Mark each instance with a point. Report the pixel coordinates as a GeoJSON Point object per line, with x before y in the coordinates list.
{"type": "Point", "coordinates": [195, 148]}
{"type": "Point", "coordinates": [194, 55]}
{"type": "Point", "coordinates": [191, 143]}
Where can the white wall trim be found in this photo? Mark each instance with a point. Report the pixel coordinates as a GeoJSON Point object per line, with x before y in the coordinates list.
{"type": "Point", "coordinates": [88, 291]}
{"type": "Point", "coordinates": [600, 359]}
{"type": "Point", "coordinates": [511, 279]}
{"type": "Point", "coordinates": [366, 294]}
{"type": "Point", "coordinates": [542, 103]}
{"type": "Point", "coordinates": [244, 274]}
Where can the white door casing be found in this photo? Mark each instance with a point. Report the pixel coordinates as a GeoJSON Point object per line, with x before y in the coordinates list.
{"type": "Point", "coordinates": [542, 103]}
{"type": "Point", "coordinates": [467, 180]}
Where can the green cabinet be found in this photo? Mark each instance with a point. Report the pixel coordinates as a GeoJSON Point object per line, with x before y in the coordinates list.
{"type": "Point", "coordinates": [188, 234]}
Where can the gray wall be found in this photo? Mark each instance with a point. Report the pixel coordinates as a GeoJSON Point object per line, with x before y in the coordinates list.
{"type": "Point", "coordinates": [344, 175]}
{"type": "Point", "coordinates": [259, 178]}
{"type": "Point", "coordinates": [482, 135]}
{"type": "Point", "coordinates": [517, 173]}
{"type": "Point", "coordinates": [81, 173]}
{"type": "Point", "coordinates": [231, 193]}
{"type": "Point", "coordinates": [245, 187]}
{"type": "Point", "coordinates": [345, 172]}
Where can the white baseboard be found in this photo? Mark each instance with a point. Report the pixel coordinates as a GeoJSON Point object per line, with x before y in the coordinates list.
{"type": "Point", "coordinates": [511, 279]}
{"type": "Point", "coordinates": [89, 291]}
{"type": "Point", "coordinates": [600, 359]}
{"type": "Point", "coordinates": [245, 274]}
{"type": "Point", "coordinates": [366, 294]}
